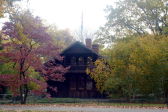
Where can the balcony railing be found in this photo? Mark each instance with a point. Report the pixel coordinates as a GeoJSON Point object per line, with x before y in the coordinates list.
{"type": "Point", "coordinates": [79, 68]}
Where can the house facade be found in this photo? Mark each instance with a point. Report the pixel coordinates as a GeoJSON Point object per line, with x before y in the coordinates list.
{"type": "Point", "coordinates": [77, 82]}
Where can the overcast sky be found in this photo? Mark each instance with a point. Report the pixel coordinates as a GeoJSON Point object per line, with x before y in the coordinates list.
{"type": "Point", "coordinates": [67, 13]}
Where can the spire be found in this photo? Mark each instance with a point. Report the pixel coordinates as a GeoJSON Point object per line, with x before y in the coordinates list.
{"type": "Point", "coordinates": [82, 38]}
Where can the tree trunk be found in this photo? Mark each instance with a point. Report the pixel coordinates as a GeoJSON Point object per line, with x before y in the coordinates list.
{"type": "Point", "coordinates": [23, 89]}
{"type": "Point", "coordinates": [23, 94]}
{"type": "Point", "coordinates": [166, 97]}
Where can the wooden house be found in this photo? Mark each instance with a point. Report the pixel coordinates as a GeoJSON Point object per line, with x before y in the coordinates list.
{"type": "Point", "coordinates": [78, 83]}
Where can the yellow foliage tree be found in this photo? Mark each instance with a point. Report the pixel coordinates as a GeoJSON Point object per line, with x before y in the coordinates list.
{"type": "Point", "coordinates": [135, 65]}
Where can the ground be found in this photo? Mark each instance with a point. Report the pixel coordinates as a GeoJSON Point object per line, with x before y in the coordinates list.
{"type": "Point", "coordinates": [77, 108]}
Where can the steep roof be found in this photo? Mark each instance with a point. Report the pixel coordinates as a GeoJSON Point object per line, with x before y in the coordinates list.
{"type": "Point", "coordinates": [78, 47]}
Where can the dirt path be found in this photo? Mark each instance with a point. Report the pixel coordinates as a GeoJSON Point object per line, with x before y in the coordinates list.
{"type": "Point", "coordinates": [78, 108]}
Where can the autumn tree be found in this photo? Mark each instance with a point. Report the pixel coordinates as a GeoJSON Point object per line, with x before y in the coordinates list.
{"type": "Point", "coordinates": [26, 45]}
{"type": "Point", "coordinates": [134, 66]}
{"type": "Point", "coordinates": [136, 63]}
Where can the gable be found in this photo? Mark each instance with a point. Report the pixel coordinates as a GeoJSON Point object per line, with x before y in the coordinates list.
{"type": "Point", "coordinates": [78, 48]}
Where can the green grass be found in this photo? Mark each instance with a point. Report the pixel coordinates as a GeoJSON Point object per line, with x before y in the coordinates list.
{"type": "Point", "coordinates": [95, 102]}
{"type": "Point", "coordinates": [98, 102]}
{"type": "Point", "coordinates": [63, 100]}
{"type": "Point", "coordinates": [85, 102]}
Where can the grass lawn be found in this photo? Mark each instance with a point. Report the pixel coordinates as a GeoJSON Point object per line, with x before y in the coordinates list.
{"type": "Point", "coordinates": [84, 102]}
{"type": "Point", "coordinates": [90, 102]}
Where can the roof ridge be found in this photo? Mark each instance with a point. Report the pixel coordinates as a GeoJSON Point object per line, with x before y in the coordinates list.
{"type": "Point", "coordinates": [78, 42]}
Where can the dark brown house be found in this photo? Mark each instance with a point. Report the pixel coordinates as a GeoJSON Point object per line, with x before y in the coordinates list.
{"type": "Point", "coordinates": [78, 84]}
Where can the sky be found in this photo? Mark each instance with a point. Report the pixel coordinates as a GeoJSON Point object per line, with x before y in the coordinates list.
{"type": "Point", "coordinates": [67, 14]}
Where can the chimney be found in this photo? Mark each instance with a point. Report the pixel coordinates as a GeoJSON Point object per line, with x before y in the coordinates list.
{"type": "Point", "coordinates": [95, 48]}
{"type": "Point", "coordinates": [88, 42]}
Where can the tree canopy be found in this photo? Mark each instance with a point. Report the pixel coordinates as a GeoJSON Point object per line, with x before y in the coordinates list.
{"type": "Point", "coordinates": [134, 17]}
{"type": "Point", "coordinates": [135, 65]}
{"type": "Point", "coordinates": [5, 5]}
{"type": "Point", "coordinates": [26, 44]}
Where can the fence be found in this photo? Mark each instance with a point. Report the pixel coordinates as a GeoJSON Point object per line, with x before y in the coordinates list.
{"type": "Point", "coordinates": [32, 99]}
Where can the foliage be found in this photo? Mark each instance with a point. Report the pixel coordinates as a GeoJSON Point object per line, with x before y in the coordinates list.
{"type": "Point", "coordinates": [134, 17]}
{"type": "Point", "coordinates": [136, 65]}
{"type": "Point", "coordinates": [26, 45]}
{"type": "Point", "coordinates": [100, 74]}
{"type": "Point", "coordinates": [62, 38]}
{"type": "Point", "coordinates": [5, 5]}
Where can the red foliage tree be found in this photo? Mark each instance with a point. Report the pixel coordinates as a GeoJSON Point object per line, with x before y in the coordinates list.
{"type": "Point", "coordinates": [27, 45]}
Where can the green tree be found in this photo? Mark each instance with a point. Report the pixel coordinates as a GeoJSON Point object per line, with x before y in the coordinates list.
{"type": "Point", "coordinates": [135, 66]}
{"type": "Point", "coordinates": [130, 17]}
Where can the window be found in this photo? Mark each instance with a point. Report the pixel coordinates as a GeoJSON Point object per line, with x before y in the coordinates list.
{"type": "Point", "coordinates": [89, 61]}
{"type": "Point", "coordinates": [73, 61]}
{"type": "Point", "coordinates": [81, 82]}
{"type": "Point", "coordinates": [89, 85]}
{"type": "Point", "coordinates": [73, 83]}
{"type": "Point", "coordinates": [81, 61]}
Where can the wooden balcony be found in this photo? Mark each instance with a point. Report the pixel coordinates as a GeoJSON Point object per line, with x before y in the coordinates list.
{"type": "Point", "coordinates": [79, 68]}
